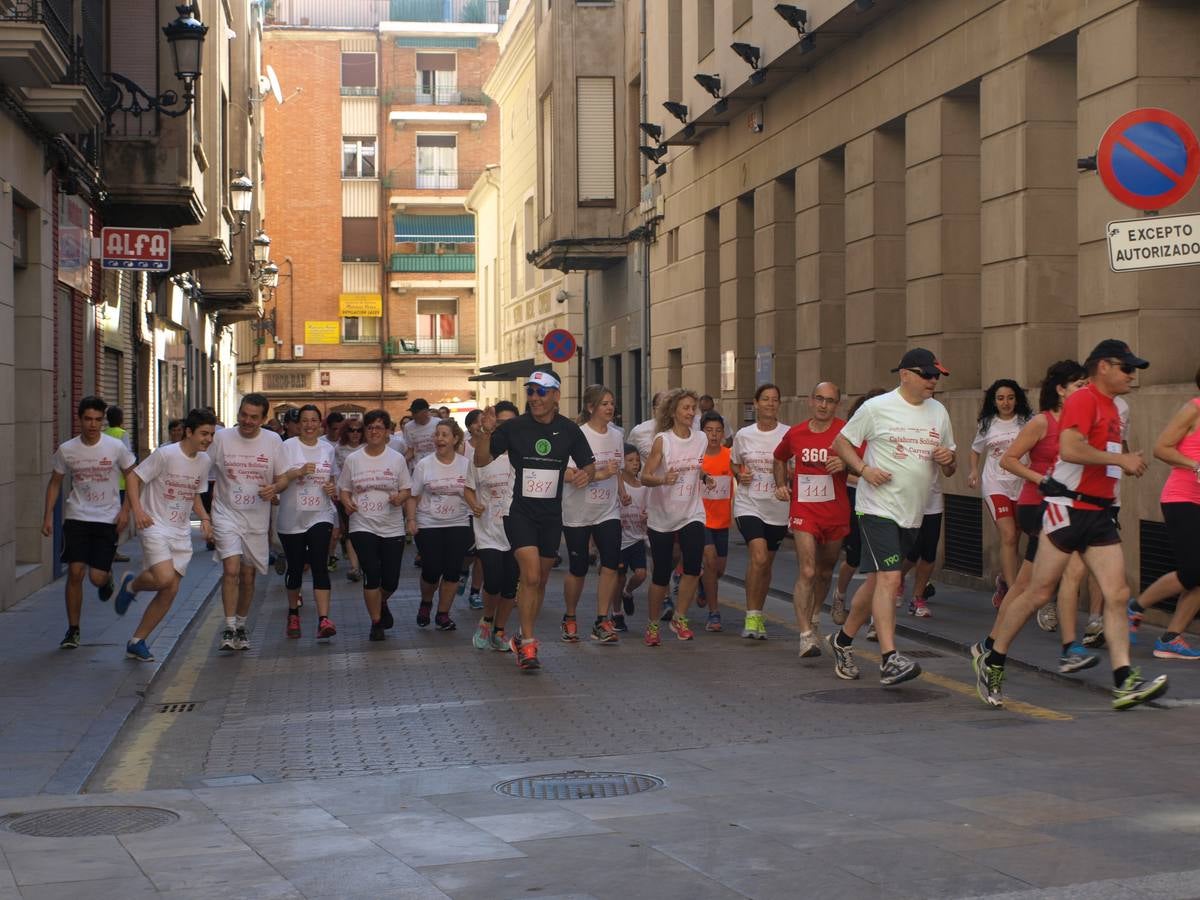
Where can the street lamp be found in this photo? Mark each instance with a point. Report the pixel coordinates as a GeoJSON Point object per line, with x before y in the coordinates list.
{"type": "Point", "coordinates": [262, 247]}
{"type": "Point", "coordinates": [269, 276]}
{"type": "Point", "coordinates": [241, 195]}
{"type": "Point", "coordinates": [185, 37]}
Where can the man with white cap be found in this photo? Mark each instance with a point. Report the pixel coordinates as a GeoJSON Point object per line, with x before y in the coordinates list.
{"type": "Point", "coordinates": [541, 445]}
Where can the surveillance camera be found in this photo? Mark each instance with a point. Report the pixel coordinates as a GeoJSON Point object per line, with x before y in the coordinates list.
{"type": "Point", "coordinates": [654, 154]}
{"type": "Point", "coordinates": [562, 296]}
{"type": "Point", "coordinates": [793, 15]}
{"type": "Point", "coordinates": [678, 110]}
{"type": "Point", "coordinates": [652, 131]}
{"type": "Point", "coordinates": [748, 52]}
{"type": "Point", "coordinates": [711, 83]}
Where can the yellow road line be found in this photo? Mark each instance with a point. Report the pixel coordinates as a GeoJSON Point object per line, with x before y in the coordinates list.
{"type": "Point", "coordinates": [950, 684]}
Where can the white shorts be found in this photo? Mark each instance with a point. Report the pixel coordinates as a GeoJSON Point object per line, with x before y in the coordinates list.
{"type": "Point", "coordinates": [230, 541]}
{"type": "Point", "coordinates": [159, 546]}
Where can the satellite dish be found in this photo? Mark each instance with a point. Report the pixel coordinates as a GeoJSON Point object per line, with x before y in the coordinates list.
{"type": "Point", "coordinates": [276, 90]}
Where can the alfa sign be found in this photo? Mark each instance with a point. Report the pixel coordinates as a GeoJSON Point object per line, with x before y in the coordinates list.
{"type": "Point", "coordinates": [143, 249]}
{"type": "Point", "coordinates": [1154, 243]}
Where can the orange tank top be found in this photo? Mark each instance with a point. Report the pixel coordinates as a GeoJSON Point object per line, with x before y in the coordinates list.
{"type": "Point", "coordinates": [718, 499]}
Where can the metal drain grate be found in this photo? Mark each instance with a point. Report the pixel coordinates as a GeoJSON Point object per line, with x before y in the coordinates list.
{"type": "Point", "coordinates": [83, 821]}
{"type": "Point", "coordinates": [924, 654]}
{"type": "Point", "coordinates": [578, 785]}
{"type": "Point", "coordinates": [855, 697]}
{"type": "Point", "coordinates": [181, 707]}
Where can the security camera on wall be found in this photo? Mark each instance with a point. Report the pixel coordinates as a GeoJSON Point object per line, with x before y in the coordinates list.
{"type": "Point", "coordinates": [562, 296]}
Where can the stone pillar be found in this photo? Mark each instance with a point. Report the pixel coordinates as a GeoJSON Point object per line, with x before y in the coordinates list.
{"type": "Point", "coordinates": [1144, 54]}
{"type": "Point", "coordinates": [737, 302]}
{"type": "Point", "coordinates": [775, 280]}
{"type": "Point", "coordinates": [941, 208]}
{"type": "Point", "coordinates": [1027, 217]}
{"type": "Point", "coordinates": [875, 283]}
{"type": "Point", "coordinates": [820, 273]}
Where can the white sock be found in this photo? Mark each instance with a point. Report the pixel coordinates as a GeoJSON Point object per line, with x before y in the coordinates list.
{"type": "Point", "coordinates": [241, 621]}
{"type": "Point", "coordinates": [231, 622]}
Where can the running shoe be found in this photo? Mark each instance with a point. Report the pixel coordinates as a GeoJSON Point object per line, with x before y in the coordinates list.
{"type": "Point", "coordinates": [354, 575]}
{"type": "Point", "coordinates": [872, 634]}
{"type": "Point", "coordinates": [1135, 613]}
{"type": "Point", "coordinates": [475, 601]}
{"type": "Point", "coordinates": [1093, 635]}
{"type": "Point", "coordinates": [651, 637]}
{"type": "Point", "coordinates": [900, 595]}
{"type": "Point", "coordinates": [627, 604]}
{"type": "Point", "coordinates": [1076, 659]}
{"type": "Point", "coordinates": [105, 591]}
{"type": "Point", "coordinates": [714, 622]}
{"type": "Point", "coordinates": [293, 624]}
{"type": "Point", "coordinates": [527, 657]}
{"type": "Point", "coordinates": [604, 632]}
{"type": "Point", "coordinates": [809, 646]}
{"type": "Point", "coordinates": [325, 628]}
{"type": "Point", "coordinates": [1047, 617]}
{"type": "Point", "coordinates": [499, 642]}
{"type": "Point", "coordinates": [241, 639]}
{"type": "Point", "coordinates": [569, 630]}
{"type": "Point", "coordinates": [462, 584]}
{"type": "Point", "coordinates": [423, 612]}
{"type": "Point", "coordinates": [280, 565]}
{"type": "Point", "coordinates": [679, 625]}
{"type": "Point", "coordinates": [838, 611]}
{"type": "Point", "coordinates": [976, 650]}
{"type": "Point", "coordinates": [618, 621]}
{"type": "Point", "coordinates": [386, 619]}
{"type": "Point", "coordinates": [929, 591]}
{"type": "Point", "coordinates": [228, 639]}
{"type": "Point", "coordinates": [896, 669]}
{"type": "Point", "coordinates": [125, 595]}
{"type": "Point", "coordinates": [139, 651]}
{"type": "Point", "coordinates": [443, 622]}
{"type": "Point", "coordinates": [920, 609]}
{"type": "Point", "coordinates": [377, 632]}
{"type": "Point", "coordinates": [1175, 649]}
{"type": "Point", "coordinates": [754, 627]}
{"type": "Point", "coordinates": [989, 682]}
{"type": "Point", "coordinates": [482, 639]}
{"type": "Point", "coordinates": [668, 610]}
{"type": "Point", "coordinates": [70, 640]}
{"type": "Point", "coordinates": [1001, 590]}
{"type": "Point", "coordinates": [1135, 691]}
{"type": "Point", "coordinates": [844, 666]}
{"type": "Point", "coordinates": [332, 562]}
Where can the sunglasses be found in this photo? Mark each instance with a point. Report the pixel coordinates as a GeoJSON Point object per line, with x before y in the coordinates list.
{"type": "Point", "coordinates": [530, 390]}
{"type": "Point", "coordinates": [934, 377]}
{"type": "Point", "coordinates": [353, 431]}
{"type": "Point", "coordinates": [1124, 367]}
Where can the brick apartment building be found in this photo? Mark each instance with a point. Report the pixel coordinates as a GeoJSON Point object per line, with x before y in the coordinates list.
{"type": "Point", "coordinates": [383, 129]}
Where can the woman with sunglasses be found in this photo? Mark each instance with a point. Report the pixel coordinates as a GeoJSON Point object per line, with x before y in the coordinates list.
{"type": "Point", "coordinates": [440, 521]}
{"type": "Point", "coordinates": [375, 486]}
{"type": "Point", "coordinates": [760, 513]}
{"type": "Point", "coordinates": [350, 439]}
{"type": "Point", "coordinates": [307, 517]}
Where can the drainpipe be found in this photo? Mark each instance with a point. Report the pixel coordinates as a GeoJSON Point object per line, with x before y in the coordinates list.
{"type": "Point", "coordinates": [645, 240]}
{"type": "Point", "coordinates": [583, 345]}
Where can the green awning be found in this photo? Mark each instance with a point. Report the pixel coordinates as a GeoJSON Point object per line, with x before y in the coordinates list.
{"type": "Point", "coordinates": [428, 229]}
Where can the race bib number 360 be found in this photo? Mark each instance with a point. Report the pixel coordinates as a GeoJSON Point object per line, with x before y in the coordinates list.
{"type": "Point", "coordinates": [540, 484]}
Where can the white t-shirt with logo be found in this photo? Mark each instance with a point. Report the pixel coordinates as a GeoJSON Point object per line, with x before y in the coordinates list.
{"type": "Point", "coordinates": [598, 501]}
{"type": "Point", "coordinates": [398, 443]}
{"type": "Point", "coordinates": [305, 503]}
{"type": "Point", "coordinates": [992, 445]}
{"type": "Point", "coordinates": [170, 481]}
{"type": "Point", "coordinates": [438, 487]}
{"type": "Point", "coordinates": [493, 487]}
{"type": "Point", "coordinates": [244, 466]}
{"type": "Point", "coordinates": [95, 471]}
{"type": "Point", "coordinates": [419, 438]}
{"type": "Point", "coordinates": [901, 438]}
{"type": "Point", "coordinates": [755, 448]}
{"type": "Point", "coordinates": [671, 506]}
{"type": "Point", "coordinates": [633, 515]}
{"type": "Point", "coordinates": [371, 480]}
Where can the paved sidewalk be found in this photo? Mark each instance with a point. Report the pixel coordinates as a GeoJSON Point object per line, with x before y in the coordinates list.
{"type": "Point", "coordinates": [962, 616]}
{"type": "Point", "coordinates": [61, 709]}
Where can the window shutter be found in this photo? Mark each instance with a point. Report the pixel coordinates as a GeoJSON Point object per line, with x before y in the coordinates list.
{"type": "Point", "coordinates": [437, 62]}
{"type": "Point", "coordinates": [595, 133]}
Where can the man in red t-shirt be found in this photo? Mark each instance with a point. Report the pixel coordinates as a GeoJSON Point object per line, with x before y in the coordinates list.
{"type": "Point", "coordinates": [1080, 490]}
{"type": "Point", "coordinates": [820, 510]}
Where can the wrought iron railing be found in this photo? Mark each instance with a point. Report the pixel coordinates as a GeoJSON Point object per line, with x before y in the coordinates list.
{"type": "Point", "coordinates": [433, 262]}
{"type": "Point", "coordinates": [56, 15]}
{"type": "Point", "coordinates": [454, 95]}
{"type": "Point", "coordinates": [431, 179]}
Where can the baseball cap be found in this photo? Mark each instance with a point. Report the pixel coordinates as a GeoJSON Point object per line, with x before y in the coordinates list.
{"type": "Point", "coordinates": [419, 405]}
{"type": "Point", "coordinates": [544, 379]}
{"type": "Point", "coordinates": [1114, 349]}
{"type": "Point", "coordinates": [922, 360]}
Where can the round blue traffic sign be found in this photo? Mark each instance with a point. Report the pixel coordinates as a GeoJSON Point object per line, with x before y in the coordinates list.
{"type": "Point", "coordinates": [1149, 158]}
{"type": "Point", "coordinates": [559, 345]}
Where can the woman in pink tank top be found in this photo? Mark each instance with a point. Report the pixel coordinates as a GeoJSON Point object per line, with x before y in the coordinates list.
{"type": "Point", "coordinates": [1179, 447]}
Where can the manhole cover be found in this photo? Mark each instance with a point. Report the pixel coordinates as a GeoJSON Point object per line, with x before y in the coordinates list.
{"type": "Point", "coordinates": [868, 696]}
{"type": "Point", "coordinates": [578, 785]}
{"type": "Point", "coordinates": [81, 821]}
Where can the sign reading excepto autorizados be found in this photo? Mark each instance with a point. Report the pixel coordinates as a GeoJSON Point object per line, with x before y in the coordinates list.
{"type": "Point", "coordinates": [1154, 242]}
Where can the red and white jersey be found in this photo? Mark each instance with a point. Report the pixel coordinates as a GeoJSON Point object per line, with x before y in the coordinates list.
{"type": "Point", "coordinates": [1095, 416]}
{"type": "Point", "coordinates": [811, 483]}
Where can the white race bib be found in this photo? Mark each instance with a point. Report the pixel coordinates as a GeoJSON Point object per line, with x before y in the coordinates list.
{"type": "Point", "coordinates": [813, 488]}
{"type": "Point", "coordinates": [540, 484]}
{"type": "Point", "coordinates": [600, 494]}
{"type": "Point", "coordinates": [1113, 471]}
{"type": "Point", "coordinates": [179, 511]}
{"type": "Point", "coordinates": [722, 486]}
{"type": "Point", "coordinates": [762, 483]}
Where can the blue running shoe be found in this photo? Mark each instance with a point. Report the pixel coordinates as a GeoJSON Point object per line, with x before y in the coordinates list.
{"type": "Point", "coordinates": [139, 651]}
{"type": "Point", "coordinates": [125, 595]}
{"type": "Point", "coordinates": [105, 591]}
{"type": "Point", "coordinates": [1176, 649]}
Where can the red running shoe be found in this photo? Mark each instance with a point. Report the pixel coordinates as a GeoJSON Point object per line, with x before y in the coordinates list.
{"type": "Point", "coordinates": [293, 624]}
{"type": "Point", "coordinates": [570, 630]}
{"type": "Point", "coordinates": [526, 653]}
{"type": "Point", "coordinates": [325, 628]}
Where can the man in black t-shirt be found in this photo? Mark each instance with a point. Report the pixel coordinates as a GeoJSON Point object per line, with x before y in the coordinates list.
{"type": "Point", "coordinates": [540, 444]}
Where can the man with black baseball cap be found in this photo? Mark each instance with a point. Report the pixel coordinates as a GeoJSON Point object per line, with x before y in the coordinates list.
{"type": "Point", "coordinates": [418, 432]}
{"type": "Point", "coordinates": [540, 444]}
{"type": "Point", "coordinates": [908, 436]}
{"type": "Point", "coordinates": [1080, 491]}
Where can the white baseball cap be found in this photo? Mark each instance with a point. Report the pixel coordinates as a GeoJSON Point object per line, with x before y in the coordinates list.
{"type": "Point", "coordinates": [547, 380]}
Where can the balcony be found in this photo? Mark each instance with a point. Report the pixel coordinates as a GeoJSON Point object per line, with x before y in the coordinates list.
{"type": "Point", "coordinates": [432, 179]}
{"type": "Point", "coordinates": [458, 95]}
{"type": "Point", "coordinates": [425, 347]}
{"type": "Point", "coordinates": [433, 263]}
{"type": "Point", "coordinates": [35, 42]}
{"type": "Point", "coordinates": [467, 12]}
{"type": "Point", "coordinates": [365, 14]}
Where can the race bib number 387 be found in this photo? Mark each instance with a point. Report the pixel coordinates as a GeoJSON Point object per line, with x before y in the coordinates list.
{"type": "Point", "coordinates": [540, 484]}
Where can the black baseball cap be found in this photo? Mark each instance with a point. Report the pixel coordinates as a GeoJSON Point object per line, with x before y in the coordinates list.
{"type": "Point", "coordinates": [1114, 349]}
{"type": "Point", "coordinates": [923, 361]}
{"type": "Point", "coordinates": [419, 405]}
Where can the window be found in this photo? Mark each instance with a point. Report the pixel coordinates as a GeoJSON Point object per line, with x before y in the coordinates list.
{"type": "Point", "coordinates": [360, 330]}
{"type": "Point", "coordinates": [547, 155]}
{"type": "Point", "coordinates": [360, 240]}
{"type": "Point", "coordinates": [20, 216]}
{"type": "Point", "coordinates": [358, 73]}
{"type": "Point", "coordinates": [596, 152]}
{"type": "Point", "coordinates": [437, 161]}
{"type": "Point", "coordinates": [358, 157]}
{"type": "Point", "coordinates": [437, 325]}
{"type": "Point", "coordinates": [437, 79]}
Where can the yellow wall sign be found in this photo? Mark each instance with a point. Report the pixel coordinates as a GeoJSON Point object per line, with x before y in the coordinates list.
{"type": "Point", "coordinates": [360, 305]}
{"type": "Point", "coordinates": [322, 332]}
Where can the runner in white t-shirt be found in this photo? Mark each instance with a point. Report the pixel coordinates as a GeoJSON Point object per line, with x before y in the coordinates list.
{"type": "Point", "coordinates": [908, 436]}
{"type": "Point", "coordinates": [93, 514]}
{"type": "Point", "coordinates": [642, 434]}
{"type": "Point", "coordinates": [760, 506]}
{"type": "Point", "coordinates": [632, 571]}
{"type": "Point", "coordinates": [163, 493]}
{"type": "Point", "coordinates": [248, 462]}
{"type": "Point", "coordinates": [418, 431]}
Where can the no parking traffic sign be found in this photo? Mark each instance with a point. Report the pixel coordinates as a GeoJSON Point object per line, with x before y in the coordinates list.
{"type": "Point", "coordinates": [559, 345]}
{"type": "Point", "coordinates": [1148, 159]}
